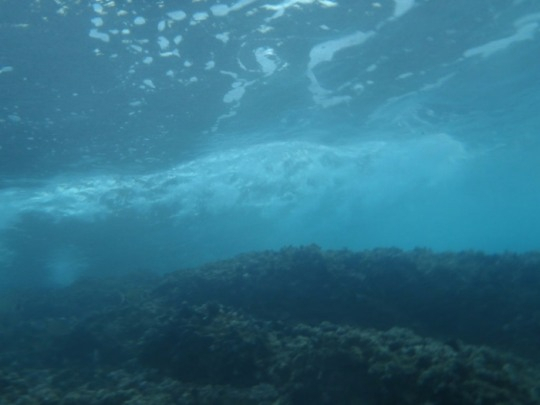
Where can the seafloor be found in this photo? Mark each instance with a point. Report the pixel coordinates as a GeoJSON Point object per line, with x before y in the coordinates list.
{"type": "Point", "coordinates": [297, 326]}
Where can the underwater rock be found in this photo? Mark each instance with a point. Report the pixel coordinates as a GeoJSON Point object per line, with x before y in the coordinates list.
{"type": "Point", "coordinates": [297, 326]}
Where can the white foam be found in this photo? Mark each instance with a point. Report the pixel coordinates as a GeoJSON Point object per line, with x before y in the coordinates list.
{"type": "Point", "coordinates": [168, 54]}
{"type": "Point", "coordinates": [102, 36]}
{"type": "Point", "coordinates": [524, 32]}
{"type": "Point", "coordinates": [149, 83]}
{"type": "Point", "coordinates": [177, 15]}
{"type": "Point", "coordinates": [405, 75]}
{"type": "Point", "coordinates": [327, 3]}
{"type": "Point", "coordinates": [97, 21]}
{"type": "Point", "coordinates": [163, 43]}
{"type": "Point", "coordinates": [6, 69]}
{"type": "Point", "coordinates": [235, 94]}
{"type": "Point", "coordinates": [265, 57]}
{"type": "Point", "coordinates": [200, 16]}
{"type": "Point", "coordinates": [98, 8]}
{"type": "Point", "coordinates": [401, 7]}
{"type": "Point", "coordinates": [282, 7]}
{"type": "Point", "coordinates": [223, 37]}
{"type": "Point", "coordinates": [139, 20]}
{"type": "Point", "coordinates": [221, 10]}
{"type": "Point", "coordinates": [325, 51]}
{"type": "Point", "coordinates": [264, 176]}
{"type": "Point", "coordinates": [263, 29]}
{"type": "Point", "coordinates": [529, 18]}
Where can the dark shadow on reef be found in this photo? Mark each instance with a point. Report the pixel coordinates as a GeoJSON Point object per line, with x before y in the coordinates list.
{"type": "Point", "coordinates": [298, 326]}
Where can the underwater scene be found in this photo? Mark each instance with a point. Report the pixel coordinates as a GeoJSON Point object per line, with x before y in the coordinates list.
{"type": "Point", "coordinates": [271, 202]}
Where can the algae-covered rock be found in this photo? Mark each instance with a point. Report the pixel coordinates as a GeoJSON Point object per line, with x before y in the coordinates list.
{"type": "Point", "coordinates": [297, 326]}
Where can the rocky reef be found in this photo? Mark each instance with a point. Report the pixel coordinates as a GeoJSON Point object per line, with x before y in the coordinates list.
{"type": "Point", "coordinates": [295, 326]}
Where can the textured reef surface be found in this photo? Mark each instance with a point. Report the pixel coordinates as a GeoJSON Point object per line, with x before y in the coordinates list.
{"type": "Point", "coordinates": [295, 326]}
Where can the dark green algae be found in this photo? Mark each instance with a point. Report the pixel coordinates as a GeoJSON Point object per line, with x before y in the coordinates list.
{"type": "Point", "coordinates": [295, 326]}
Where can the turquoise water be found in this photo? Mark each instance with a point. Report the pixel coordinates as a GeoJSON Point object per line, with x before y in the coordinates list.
{"type": "Point", "coordinates": [158, 135]}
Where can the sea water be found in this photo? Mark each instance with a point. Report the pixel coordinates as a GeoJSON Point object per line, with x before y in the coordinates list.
{"type": "Point", "coordinates": [152, 136]}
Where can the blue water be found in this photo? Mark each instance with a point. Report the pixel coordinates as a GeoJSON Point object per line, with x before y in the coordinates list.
{"type": "Point", "coordinates": [161, 134]}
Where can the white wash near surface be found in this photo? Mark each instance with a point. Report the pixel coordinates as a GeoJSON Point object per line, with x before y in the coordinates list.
{"type": "Point", "coordinates": [525, 32]}
{"type": "Point", "coordinates": [6, 69]}
{"type": "Point", "coordinates": [402, 7]}
{"type": "Point", "coordinates": [177, 15]}
{"type": "Point", "coordinates": [324, 52]}
{"type": "Point", "coordinates": [139, 20]}
{"type": "Point", "coordinates": [102, 36]}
